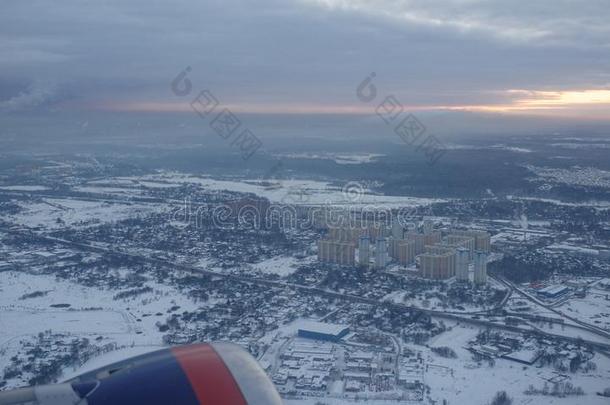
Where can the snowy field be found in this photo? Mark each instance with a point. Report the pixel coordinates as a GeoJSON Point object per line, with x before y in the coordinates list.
{"type": "Point", "coordinates": [92, 312]}
{"type": "Point", "coordinates": [54, 213]}
{"type": "Point", "coordinates": [307, 192]}
{"type": "Point", "coordinates": [339, 158]}
{"type": "Point", "coordinates": [15, 323]}
{"type": "Point", "coordinates": [282, 266]}
{"type": "Point", "coordinates": [593, 309]}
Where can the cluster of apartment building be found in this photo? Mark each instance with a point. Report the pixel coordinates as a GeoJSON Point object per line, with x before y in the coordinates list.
{"type": "Point", "coordinates": [342, 243]}
{"type": "Point", "coordinates": [441, 254]}
{"type": "Point", "coordinates": [452, 255]}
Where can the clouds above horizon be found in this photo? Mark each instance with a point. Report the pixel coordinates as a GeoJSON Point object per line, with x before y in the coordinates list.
{"type": "Point", "coordinates": [558, 22]}
{"type": "Point", "coordinates": [430, 53]}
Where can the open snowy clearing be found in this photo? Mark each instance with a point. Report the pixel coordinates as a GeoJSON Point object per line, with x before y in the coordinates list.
{"type": "Point", "coordinates": [25, 310]}
{"type": "Point", "coordinates": [281, 265]}
{"type": "Point", "coordinates": [594, 309]}
{"type": "Point", "coordinates": [54, 213]}
{"type": "Point", "coordinates": [305, 192]}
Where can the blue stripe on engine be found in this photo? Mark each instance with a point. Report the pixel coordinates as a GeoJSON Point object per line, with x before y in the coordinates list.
{"type": "Point", "coordinates": [158, 382]}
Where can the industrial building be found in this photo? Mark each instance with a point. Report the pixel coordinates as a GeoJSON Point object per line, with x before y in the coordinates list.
{"type": "Point", "coordinates": [323, 331]}
{"type": "Point", "coordinates": [480, 267]}
{"type": "Point", "coordinates": [553, 291]}
{"type": "Point", "coordinates": [330, 251]}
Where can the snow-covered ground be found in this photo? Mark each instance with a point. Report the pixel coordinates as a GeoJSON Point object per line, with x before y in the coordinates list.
{"type": "Point", "coordinates": [590, 203]}
{"type": "Point", "coordinates": [462, 381]}
{"type": "Point", "coordinates": [281, 265]}
{"type": "Point", "coordinates": [338, 401]}
{"type": "Point", "coordinates": [571, 248]}
{"type": "Point", "coordinates": [339, 158]}
{"type": "Point", "coordinates": [92, 312]}
{"type": "Point", "coordinates": [72, 212]}
{"type": "Point", "coordinates": [24, 188]}
{"type": "Point", "coordinates": [593, 309]}
{"type": "Point", "coordinates": [109, 358]}
{"type": "Point", "coordinates": [29, 321]}
{"type": "Point", "coordinates": [305, 192]}
{"type": "Point", "coordinates": [105, 189]}
{"type": "Point", "coordinates": [576, 175]}
{"type": "Point", "coordinates": [497, 147]}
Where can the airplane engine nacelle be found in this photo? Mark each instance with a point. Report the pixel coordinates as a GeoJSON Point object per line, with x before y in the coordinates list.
{"type": "Point", "coordinates": [200, 374]}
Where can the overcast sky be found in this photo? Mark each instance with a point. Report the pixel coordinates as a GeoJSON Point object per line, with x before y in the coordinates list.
{"type": "Point", "coordinates": [514, 57]}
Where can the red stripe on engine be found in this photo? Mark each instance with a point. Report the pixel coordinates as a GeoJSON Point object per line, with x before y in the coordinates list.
{"type": "Point", "coordinates": [210, 378]}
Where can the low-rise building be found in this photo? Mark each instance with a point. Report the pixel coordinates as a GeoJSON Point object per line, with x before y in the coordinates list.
{"type": "Point", "coordinates": [323, 331]}
{"type": "Point", "coordinates": [553, 291]}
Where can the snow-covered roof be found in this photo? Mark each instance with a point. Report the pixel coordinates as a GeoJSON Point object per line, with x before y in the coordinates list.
{"type": "Point", "coordinates": [553, 289]}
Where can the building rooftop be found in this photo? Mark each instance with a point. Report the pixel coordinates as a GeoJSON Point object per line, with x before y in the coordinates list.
{"type": "Point", "coordinates": [552, 289]}
{"type": "Point", "coordinates": [324, 328]}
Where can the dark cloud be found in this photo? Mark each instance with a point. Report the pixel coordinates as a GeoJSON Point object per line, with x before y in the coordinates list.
{"type": "Point", "coordinates": [428, 52]}
{"type": "Point", "coordinates": [36, 95]}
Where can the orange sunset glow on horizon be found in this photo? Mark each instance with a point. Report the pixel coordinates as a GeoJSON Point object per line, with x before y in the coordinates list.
{"type": "Point", "coordinates": [589, 103]}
